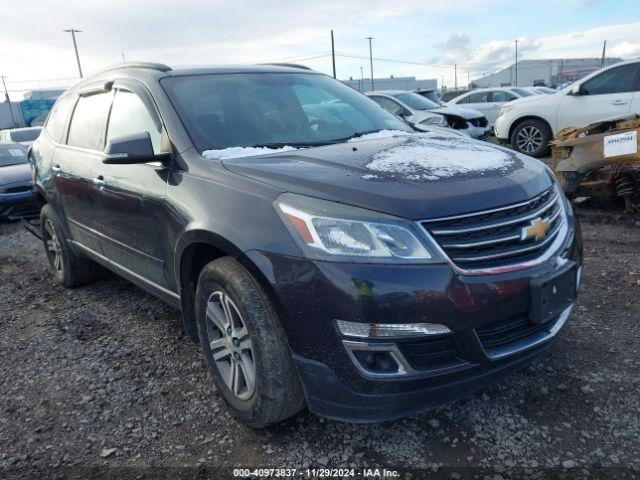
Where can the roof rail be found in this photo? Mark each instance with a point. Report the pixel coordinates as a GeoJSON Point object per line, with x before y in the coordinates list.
{"type": "Point", "coordinates": [290, 65]}
{"type": "Point", "coordinates": [148, 65]}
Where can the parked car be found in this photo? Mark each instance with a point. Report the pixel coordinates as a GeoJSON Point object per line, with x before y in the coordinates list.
{"type": "Point", "coordinates": [545, 90]}
{"type": "Point", "coordinates": [417, 109]}
{"type": "Point", "coordinates": [530, 123]}
{"type": "Point", "coordinates": [431, 94]}
{"type": "Point", "coordinates": [17, 197]}
{"type": "Point", "coordinates": [340, 261]}
{"type": "Point", "coordinates": [488, 101]}
{"type": "Point", "coordinates": [25, 136]}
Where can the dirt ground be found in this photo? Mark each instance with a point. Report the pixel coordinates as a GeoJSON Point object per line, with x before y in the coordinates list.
{"type": "Point", "coordinates": [100, 382]}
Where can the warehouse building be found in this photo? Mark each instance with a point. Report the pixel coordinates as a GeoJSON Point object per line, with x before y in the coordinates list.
{"type": "Point", "coordinates": [550, 72]}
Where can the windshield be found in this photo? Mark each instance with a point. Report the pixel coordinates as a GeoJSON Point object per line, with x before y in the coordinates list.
{"type": "Point", "coordinates": [273, 109]}
{"type": "Point", "coordinates": [431, 95]}
{"type": "Point", "coordinates": [26, 135]}
{"type": "Point", "coordinates": [12, 155]}
{"type": "Point", "coordinates": [415, 101]}
{"type": "Point", "coordinates": [522, 92]}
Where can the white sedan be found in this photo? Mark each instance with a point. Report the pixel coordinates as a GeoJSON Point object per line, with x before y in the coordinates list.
{"type": "Point", "coordinates": [489, 101]}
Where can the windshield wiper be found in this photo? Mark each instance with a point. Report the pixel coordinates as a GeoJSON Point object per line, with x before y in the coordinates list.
{"type": "Point", "coordinates": [290, 144]}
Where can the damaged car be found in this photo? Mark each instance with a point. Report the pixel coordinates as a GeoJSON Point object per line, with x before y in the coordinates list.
{"type": "Point", "coordinates": [17, 197]}
{"type": "Point", "coordinates": [322, 253]}
{"type": "Point", "coordinates": [419, 110]}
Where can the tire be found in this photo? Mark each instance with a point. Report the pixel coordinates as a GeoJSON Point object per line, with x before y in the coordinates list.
{"type": "Point", "coordinates": [227, 290]}
{"type": "Point", "coordinates": [531, 137]}
{"type": "Point", "coordinates": [70, 270]}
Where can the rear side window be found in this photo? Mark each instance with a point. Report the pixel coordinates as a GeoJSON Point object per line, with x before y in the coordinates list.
{"type": "Point", "coordinates": [88, 124]}
{"type": "Point", "coordinates": [617, 80]}
{"type": "Point", "coordinates": [481, 97]}
{"type": "Point", "coordinates": [502, 97]}
{"type": "Point", "coordinates": [57, 120]}
{"type": "Point", "coordinates": [129, 115]}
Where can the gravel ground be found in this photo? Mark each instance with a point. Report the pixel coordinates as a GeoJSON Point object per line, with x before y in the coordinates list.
{"type": "Point", "coordinates": [100, 382]}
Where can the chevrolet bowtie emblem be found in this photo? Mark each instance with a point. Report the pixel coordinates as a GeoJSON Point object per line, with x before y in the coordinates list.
{"type": "Point", "coordinates": [537, 229]}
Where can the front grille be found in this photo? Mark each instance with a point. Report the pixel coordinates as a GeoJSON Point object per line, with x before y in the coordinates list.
{"type": "Point", "coordinates": [479, 122]}
{"type": "Point", "coordinates": [512, 334]}
{"type": "Point", "coordinates": [493, 238]}
{"type": "Point", "coordinates": [432, 353]}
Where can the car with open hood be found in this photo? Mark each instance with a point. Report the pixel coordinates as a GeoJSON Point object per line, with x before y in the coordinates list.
{"type": "Point", "coordinates": [322, 252]}
{"type": "Point", "coordinates": [419, 110]}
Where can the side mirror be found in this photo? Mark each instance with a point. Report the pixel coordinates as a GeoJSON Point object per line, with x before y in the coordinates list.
{"type": "Point", "coordinates": [132, 149]}
{"type": "Point", "coordinates": [577, 90]}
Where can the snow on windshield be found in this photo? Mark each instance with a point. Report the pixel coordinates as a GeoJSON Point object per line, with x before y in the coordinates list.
{"type": "Point", "coordinates": [238, 152]}
{"type": "Point", "coordinates": [430, 157]}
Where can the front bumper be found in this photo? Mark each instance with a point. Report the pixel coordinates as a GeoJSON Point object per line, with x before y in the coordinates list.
{"type": "Point", "coordinates": [14, 206]}
{"type": "Point", "coordinates": [478, 309]}
{"type": "Point", "coordinates": [501, 129]}
{"type": "Point", "coordinates": [479, 133]}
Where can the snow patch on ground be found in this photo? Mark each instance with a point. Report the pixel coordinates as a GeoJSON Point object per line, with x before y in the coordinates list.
{"type": "Point", "coordinates": [238, 152]}
{"type": "Point", "coordinates": [428, 157]}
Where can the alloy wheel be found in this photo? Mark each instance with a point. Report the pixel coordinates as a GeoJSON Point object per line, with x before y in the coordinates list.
{"type": "Point", "coordinates": [54, 250]}
{"type": "Point", "coordinates": [231, 346]}
{"type": "Point", "coordinates": [529, 139]}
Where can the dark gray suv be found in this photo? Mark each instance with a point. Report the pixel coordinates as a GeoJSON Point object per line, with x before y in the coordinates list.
{"type": "Point", "coordinates": [321, 252]}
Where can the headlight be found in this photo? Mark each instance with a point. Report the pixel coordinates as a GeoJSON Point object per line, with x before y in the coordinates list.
{"type": "Point", "coordinates": [435, 119]}
{"type": "Point", "coordinates": [332, 231]}
{"type": "Point", "coordinates": [505, 109]}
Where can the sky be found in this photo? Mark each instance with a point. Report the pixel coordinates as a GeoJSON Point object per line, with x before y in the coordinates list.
{"type": "Point", "coordinates": [422, 38]}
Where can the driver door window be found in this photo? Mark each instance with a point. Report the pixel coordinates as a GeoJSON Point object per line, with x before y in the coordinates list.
{"type": "Point", "coordinates": [129, 115]}
{"type": "Point", "coordinates": [616, 80]}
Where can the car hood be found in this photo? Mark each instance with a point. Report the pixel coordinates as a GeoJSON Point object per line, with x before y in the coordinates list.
{"type": "Point", "coordinates": [417, 176]}
{"type": "Point", "coordinates": [20, 173]}
{"type": "Point", "coordinates": [466, 113]}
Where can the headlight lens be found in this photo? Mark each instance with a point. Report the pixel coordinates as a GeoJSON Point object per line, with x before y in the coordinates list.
{"type": "Point", "coordinates": [332, 231]}
{"type": "Point", "coordinates": [435, 119]}
{"type": "Point", "coordinates": [506, 109]}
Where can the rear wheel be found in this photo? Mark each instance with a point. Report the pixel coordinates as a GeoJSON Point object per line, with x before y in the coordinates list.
{"type": "Point", "coordinates": [244, 346]}
{"type": "Point", "coordinates": [531, 137]}
{"type": "Point", "coordinates": [69, 269]}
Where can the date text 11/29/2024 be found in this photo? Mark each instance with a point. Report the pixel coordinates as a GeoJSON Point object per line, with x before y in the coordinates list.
{"type": "Point", "coordinates": [316, 473]}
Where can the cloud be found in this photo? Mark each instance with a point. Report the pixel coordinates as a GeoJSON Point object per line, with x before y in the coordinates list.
{"type": "Point", "coordinates": [454, 43]}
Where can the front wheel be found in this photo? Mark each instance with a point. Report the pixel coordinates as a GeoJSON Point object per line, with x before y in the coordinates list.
{"type": "Point", "coordinates": [531, 137]}
{"type": "Point", "coordinates": [244, 346]}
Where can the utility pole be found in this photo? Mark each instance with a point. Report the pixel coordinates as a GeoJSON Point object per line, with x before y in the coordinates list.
{"type": "Point", "coordinates": [455, 76]}
{"type": "Point", "coordinates": [6, 96]}
{"type": "Point", "coordinates": [516, 63]}
{"type": "Point", "coordinates": [333, 55]}
{"type": "Point", "coordinates": [361, 78]}
{"type": "Point", "coordinates": [371, 62]}
{"type": "Point", "coordinates": [123, 60]}
{"type": "Point", "coordinates": [468, 79]}
{"type": "Point", "coordinates": [604, 52]}
{"type": "Point", "coordinates": [73, 32]}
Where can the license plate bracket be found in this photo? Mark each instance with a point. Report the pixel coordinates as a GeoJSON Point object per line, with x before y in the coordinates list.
{"type": "Point", "coordinates": [551, 294]}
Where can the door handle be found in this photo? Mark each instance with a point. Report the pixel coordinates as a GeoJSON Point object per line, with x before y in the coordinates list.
{"type": "Point", "coordinates": [98, 181]}
{"type": "Point", "coordinates": [619, 102]}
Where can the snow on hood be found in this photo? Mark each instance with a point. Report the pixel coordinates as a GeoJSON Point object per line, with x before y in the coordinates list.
{"type": "Point", "coordinates": [239, 152]}
{"type": "Point", "coordinates": [381, 134]}
{"type": "Point", "coordinates": [431, 157]}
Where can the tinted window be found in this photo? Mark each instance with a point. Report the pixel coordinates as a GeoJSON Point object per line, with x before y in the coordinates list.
{"type": "Point", "coordinates": [502, 97]}
{"type": "Point", "coordinates": [249, 109]}
{"type": "Point", "coordinates": [12, 155]}
{"type": "Point", "coordinates": [88, 123]}
{"type": "Point", "coordinates": [129, 115]}
{"type": "Point", "coordinates": [616, 80]}
{"type": "Point", "coordinates": [522, 92]}
{"type": "Point", "coordinates": [480, 97]}
{"type": "Point", "coordinates": [57, 120]}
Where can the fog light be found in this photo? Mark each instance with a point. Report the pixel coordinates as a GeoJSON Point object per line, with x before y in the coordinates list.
{"type": "Point", "coordinates": [390, 330]}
